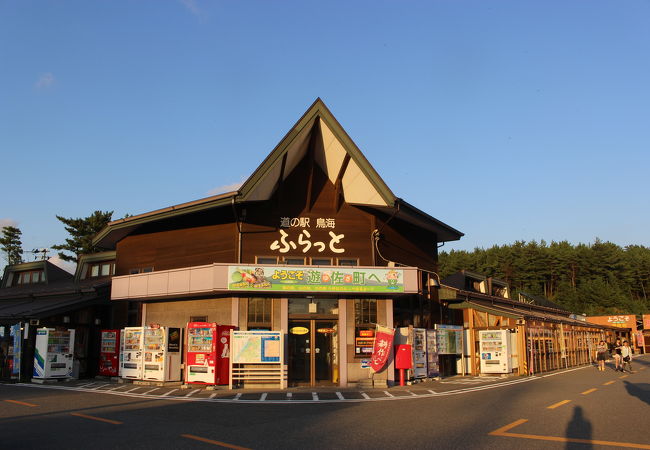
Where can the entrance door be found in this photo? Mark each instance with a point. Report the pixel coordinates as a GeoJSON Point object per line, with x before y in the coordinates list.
{"type": "Point", "coordinates": [313, 352]}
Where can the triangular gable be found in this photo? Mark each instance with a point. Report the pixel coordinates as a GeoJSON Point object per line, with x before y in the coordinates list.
{"type": "Point", "coordinates": [334, 152]}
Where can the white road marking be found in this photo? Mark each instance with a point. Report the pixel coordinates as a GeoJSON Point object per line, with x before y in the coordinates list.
{"type": "Point", "coordinates": [314, 396]}
{"type": "Point", "coordinates": [340, 396]}
{"type": "Point", "coordinates": [263, 397]}
{"type": "Point", "coordinates": [237, 396]}
{"type": "Point", "coordinates": [289, 395]}
{"type": "Point", "coordinates": [388, 394]}
{"type": "Point", "coordinates": [150, 390]}
{"type": "Point", "coordinates": [412, 393]}
{"type": "Point", "coordinates": [433, 392]}
{"type": "Point", "coordinates": [189, 394]}
{"type": "Point", "coordinates": [168, 393]}
{"type": "Point", "coordinates": [213, 395]}
{"type": "Point", "coordinates": [131, 390]}
{"type": "Point", "coordinates": [364, 395]}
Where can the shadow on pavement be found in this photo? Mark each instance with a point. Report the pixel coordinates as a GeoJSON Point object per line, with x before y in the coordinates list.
{"type": "Point", "coordinates": [638, 390]}
{"type": "Point", "coordinates": [578, 428]}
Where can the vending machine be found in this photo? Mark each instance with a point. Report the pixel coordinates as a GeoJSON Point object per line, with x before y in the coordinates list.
{"type": "Point", "coordinates": [131, 365]}
{"type": "Point", "coordinates": [53, 353]}
{"type": "Point", "coordinates": [496, 355]}
{"type": "Point", "coordinates": [109, 353]}
{"type": "Point", "coordinates": [162, 354]}
{"type": "Point", "coordinates": [419, 353]}
{"type": "Point", "coordinates": [201, 356]}
{"type": "Point", "coordinates": [223, 353]}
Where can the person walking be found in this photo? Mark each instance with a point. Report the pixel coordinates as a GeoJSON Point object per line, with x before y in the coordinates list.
{"type": "Point", "coordinates": [626, 356]}
{"type": "Point", "coordinates": [617, 355]}
{"type": "Point", "coordinates": [601, 355]}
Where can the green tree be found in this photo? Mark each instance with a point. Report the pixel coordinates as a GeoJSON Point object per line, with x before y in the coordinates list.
{"type": "Point", "coordinates": [82, 232]}
{"type": "Point", "coordinates": [11, 244]}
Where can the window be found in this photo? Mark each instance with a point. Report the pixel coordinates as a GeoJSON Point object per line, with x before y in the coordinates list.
{"type": "Point", "coordinates": [103, 269]}
{"type": "Point", "coordinates": [259, 313]}
{"type": "Point", "coordinates": [142, 270]}
{"type": "Point", "coordinates": [321, 261]}
{"type": "Point", "coordinates": [348, 262]}
{"type": "Point", "coordinates": [29, 277]}
{"type": "Point", "coordinates": [295, 261]}
{"type": "Point", "coordinates": [365, 320]}
{"type": "Point", "coordinates": [198, 318]}
{"type": "Point", "coordinates": [267, 260]}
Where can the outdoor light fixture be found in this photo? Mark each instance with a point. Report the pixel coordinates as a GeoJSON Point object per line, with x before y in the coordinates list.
{"type": "Point", "coordinates": [434, 282]}
{"type": "Point", "coordinates": [66, 319]}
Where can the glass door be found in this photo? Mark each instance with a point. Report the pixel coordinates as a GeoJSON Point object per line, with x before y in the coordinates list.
{"type": "Point", "coordinates": [300, 351]}
{"type": "Point", "coordinates": [313, 352]}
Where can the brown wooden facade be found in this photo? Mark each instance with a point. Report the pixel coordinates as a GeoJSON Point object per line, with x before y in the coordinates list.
{"type": "Point", "coordinates": [314, 201]}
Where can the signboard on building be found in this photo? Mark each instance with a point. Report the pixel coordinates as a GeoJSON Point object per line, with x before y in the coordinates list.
{"type": "Point", "coordinates": [315, 279]}
{"type": "Point", "coordinates": [646, 321]}
{"type": "Point", "coordinates": [255, 347]}
{"type": "Point", "coordinates": [448, 339]}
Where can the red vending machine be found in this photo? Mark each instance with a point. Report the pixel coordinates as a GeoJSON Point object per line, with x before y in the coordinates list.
{"type": "Point", "coordinates": [201, 357]}
{"type": "Point", "coordinates": [223, 351]}
{"type": "Point", "coordinates": [109, 356]}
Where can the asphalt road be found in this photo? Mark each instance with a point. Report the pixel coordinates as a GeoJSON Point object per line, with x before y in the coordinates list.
{"type": "Point", "coordinates": [582, 409]}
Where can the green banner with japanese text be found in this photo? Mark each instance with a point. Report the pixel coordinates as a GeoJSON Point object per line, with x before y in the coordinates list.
{"type": "Point", "coordinates": [315, 279]}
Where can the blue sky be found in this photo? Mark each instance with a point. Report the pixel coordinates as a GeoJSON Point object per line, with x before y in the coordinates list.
{"type": "Point", "coordinates": [508, 120]}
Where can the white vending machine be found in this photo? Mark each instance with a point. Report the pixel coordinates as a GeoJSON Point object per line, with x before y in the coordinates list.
{"type": "Point", "coordinates": [419, 353]}
{"type": "Point", "coordinates": [162, 354]}
{"type": "Point", "coordinates": [496, 355]}
{"type": "Point", "coordinates": [53, 353]}
{"type": "Point", "coordinates": [131, 359]}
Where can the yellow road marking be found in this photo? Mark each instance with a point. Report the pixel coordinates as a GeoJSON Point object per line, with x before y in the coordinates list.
{"type": "Point", "coordinates": [623, 376]}
{"type": "Point", "coordinates": [100, 419]}
{"type": "Point", "coordinates": [21, 403]}
{"type": "Point", "coordinates": [210, 441]}
{"type": "Point", "coordinates": [609, 382]}
{"type": "Point", "coordinates": [589, 391]}
{"type": "Point", "coordinates": [503, 431]}
{"type": "Point", "coordinates": [555, 405]}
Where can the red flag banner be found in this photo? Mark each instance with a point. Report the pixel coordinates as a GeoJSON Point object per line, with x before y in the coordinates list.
{"type": "Point", "coordinates": [383, 345]}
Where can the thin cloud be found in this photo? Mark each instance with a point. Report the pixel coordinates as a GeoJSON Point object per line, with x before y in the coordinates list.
{"type": "Point", "coordinates": [224, 189]}
{"type": "Point", "coordinates": [45, 81]}
{"type": "Point", "coordinates": [192, 7]}
{"type": "Point", "coordinates": [8, 223]}
{"type": "Point", "coordinates": [65, 265]}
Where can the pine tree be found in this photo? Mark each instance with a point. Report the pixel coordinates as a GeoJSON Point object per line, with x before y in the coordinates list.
{"type": "Point", "coordinates": [11, 244]}
{"type": "Point", "coordinates": [82, 232]}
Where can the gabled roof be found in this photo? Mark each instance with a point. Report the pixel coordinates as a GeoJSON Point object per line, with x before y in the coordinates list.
{"type": "Point", "coordinates": [334, 152]}
{"type": "Point", "coordinates": [52, 272]}
{"type": "Point", "coordinates": [319, 133]}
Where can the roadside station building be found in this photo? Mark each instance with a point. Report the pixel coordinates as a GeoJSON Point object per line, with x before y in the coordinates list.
{"type": "Point", "coordinates": [544, 336]}
{"type": "Point", "coordinates": [40, 294]}
{"type": "Point", "coordinates": [314, 243]}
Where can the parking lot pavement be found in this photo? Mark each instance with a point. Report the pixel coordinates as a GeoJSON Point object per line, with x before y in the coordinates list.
{"type": "Point", "coordinates": [196, 392]}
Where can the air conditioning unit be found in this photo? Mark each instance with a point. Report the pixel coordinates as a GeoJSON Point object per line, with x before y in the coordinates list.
{"type": "Point", "coordinates": [34, 322]}
{"type": "Point", "coordinates": [520, 322]}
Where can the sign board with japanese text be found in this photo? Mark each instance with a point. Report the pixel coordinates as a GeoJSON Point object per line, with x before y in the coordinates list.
{"type": "Point", "coordinates": [448, 339]}
{"type": "Point", "coordinates": [256, 347]}
{"type": "Point", "coordinates": [315, 279]}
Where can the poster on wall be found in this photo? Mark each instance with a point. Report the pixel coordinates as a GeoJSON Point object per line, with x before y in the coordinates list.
{"type": "Point", "coordinates": [256, 347]}
{"type": "Point", "coordinates": [449, 339]}
{"type": "Point", "coordinates": [315, 279]}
